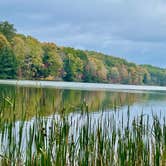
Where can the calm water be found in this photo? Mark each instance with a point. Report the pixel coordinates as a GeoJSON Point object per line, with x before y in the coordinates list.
{"type": "Point", "coordinates": [51, 101]}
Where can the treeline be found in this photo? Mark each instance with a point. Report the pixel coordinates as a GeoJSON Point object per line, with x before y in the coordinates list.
{"type": "Point", "coordinates": [24, 57]}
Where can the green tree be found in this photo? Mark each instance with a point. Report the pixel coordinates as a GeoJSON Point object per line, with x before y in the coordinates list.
{"type": "Point", "coordinates": [8, 64]}
{"type": "Point", "coordinates": [7, 30]}
{"type": "Point", "coordinates": [73, 67]}
{"type": "Point", "coordinates": [53, 64]}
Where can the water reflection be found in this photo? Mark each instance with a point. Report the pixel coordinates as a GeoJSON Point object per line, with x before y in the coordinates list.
{"type": "Point", "coordinates": [49, 101]}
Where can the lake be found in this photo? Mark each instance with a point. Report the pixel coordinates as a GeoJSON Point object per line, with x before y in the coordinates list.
{"type": "Point", "coordinates": [105, 104]}
{"type": "Point", "coordinates": [52, 99]}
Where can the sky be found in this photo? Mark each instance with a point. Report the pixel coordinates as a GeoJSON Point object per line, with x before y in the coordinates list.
{"type": "Point", "coordinates": [131, 29]}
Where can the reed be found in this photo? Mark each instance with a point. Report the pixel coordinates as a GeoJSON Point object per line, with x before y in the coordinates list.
{"type": "Point", "coordinates": [80, 138]}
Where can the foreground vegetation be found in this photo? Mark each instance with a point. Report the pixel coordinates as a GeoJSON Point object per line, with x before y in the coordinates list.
{"type": "Point", "coordinates": [24, 57]}
{"type": "Point", "coordinates": [81, 139]}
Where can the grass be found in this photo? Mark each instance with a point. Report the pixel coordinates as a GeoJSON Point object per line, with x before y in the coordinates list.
{"type": "Point", "coordinates": [64, 141]}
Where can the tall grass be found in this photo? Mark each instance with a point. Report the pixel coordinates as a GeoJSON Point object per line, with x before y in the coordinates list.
{"type": "Point", "coordinates": [63, 140]}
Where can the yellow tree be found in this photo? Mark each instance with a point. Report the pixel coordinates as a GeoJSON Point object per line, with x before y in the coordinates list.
{"type": "Point", "coordinates": [18, 46]}
{"type": "Point", "coordinates": [33, 57]}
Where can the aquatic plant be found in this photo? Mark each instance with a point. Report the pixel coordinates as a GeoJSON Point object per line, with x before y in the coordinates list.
{"type": "Point", "coordinates": [66, 140]}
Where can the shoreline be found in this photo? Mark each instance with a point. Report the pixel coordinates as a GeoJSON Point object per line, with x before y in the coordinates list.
{"type": "Point", "coordinates": [81, 86]}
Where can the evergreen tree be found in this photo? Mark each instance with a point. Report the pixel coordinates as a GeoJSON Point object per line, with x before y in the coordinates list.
{"type": "Point", "coordinates": [8, 64]}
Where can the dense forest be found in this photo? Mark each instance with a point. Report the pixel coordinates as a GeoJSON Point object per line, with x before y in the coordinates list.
{"type": "Point", "coordinates": [24, 57]}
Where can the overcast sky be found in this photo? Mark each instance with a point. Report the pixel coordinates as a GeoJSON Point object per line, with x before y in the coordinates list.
{"type": "Point", "coordinates": [131, 29]}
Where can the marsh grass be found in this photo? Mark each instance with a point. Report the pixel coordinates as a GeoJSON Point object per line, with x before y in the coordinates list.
{"type": "Point", "coordinates": [80, 140]}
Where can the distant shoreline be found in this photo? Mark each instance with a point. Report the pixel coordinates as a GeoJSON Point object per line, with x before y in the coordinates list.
{"type": "Point", "coordinates": [81, 86]}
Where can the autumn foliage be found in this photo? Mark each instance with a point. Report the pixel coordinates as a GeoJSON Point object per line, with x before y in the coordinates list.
{"type": "Point", "coordinates": [24, 57]}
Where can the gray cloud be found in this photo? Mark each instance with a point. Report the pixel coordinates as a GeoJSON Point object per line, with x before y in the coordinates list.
{"type": "Point", "coordinates": [134, 30]}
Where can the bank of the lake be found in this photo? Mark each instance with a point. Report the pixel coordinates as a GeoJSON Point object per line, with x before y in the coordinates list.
{"type": "Point", "coordinates": [81, 86]}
